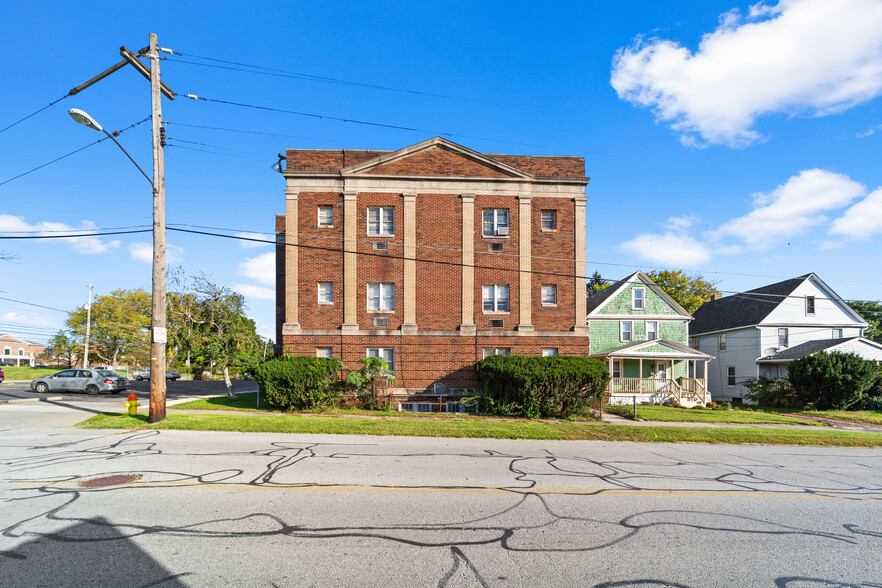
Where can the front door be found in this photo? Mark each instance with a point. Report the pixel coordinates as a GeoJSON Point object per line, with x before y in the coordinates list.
{"type": "Point", "coordinates": [662, 373]}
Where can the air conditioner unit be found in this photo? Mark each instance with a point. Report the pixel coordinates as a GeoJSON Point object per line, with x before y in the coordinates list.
{"type": "Point", "coordinates": [495, 247]}
{"type": "Point", "coordinates": [381, 322]}
{"type": "Point", "coordinates": [381, 245]}
{"type": "Point", "coordinates": [497, 323]}
{"type": "Point", "coordinates": [502, 231]}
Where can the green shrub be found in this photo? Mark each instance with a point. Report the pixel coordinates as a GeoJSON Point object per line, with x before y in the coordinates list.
{"type": "Point", "coordinates": [872, 403]}
{"type": "Point", "coordinates": [724, 406]}
{"type": "Point", "coordinates": [833, 381]}
{"type": "Point", "coordinates": [771, 392]}
{"type": "Point", "coordinates": [299, 383]}
{"type": "Point", "coordinates": [531, 386]}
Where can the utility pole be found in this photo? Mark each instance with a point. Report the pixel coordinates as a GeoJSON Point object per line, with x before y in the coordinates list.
{"type": "Point", "coordinates": [88, 326]}
{"type": "Point", "coordinates": [158, 332]}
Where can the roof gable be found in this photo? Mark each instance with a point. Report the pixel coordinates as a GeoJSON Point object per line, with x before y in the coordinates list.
{"type": "Point", "coordinates": [656, 348]}
{"type": "Point", "coordinates": [616, 300]}
{"type": "Point", "coordinates": [866, 348]}
{"type": "Point", "coordinates": [436, 157]}
{"type": "Point", "coordinates": [742, 310]}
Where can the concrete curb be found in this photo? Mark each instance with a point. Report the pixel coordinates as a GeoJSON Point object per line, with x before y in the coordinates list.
{"type": "Point", "coordinates": [24, 400]}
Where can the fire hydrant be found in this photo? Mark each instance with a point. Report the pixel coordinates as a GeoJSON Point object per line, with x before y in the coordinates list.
{"type": "Point", "coordinates": [133, 404]}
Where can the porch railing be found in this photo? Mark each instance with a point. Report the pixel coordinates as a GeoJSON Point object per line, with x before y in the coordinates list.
{"type": "Point", "coordinates": [694, 389]}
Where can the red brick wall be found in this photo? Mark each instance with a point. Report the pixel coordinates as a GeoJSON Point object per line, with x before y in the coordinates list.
{"type": "Point", "coordinates": [437, 162]}
{"type": "Point", "coordinates": [559, 244]}
{"type": "Point", "coordinates": [439, 239]}
{"type": "Point", "coordinates": [380, 266]}
{"type": "Point", "coordinates": [496, 268]}
{"type": "Point", "coordinates": [421, 361]}
{"type": "Point", "coordinates": [320, 265]}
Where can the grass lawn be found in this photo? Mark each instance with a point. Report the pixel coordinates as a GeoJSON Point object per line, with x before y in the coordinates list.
{"type": "Point", "coordinates": [854, 416]}
{"type": "Point", "coordinates": [483, 428]}
{"type": "Point", "coordinates": [27, 373]}
{"type": "Point", "coordinates": [656, 412]}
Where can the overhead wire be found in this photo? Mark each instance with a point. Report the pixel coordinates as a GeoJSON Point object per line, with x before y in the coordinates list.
{"type": "Point", "coordinates": [36, 112]}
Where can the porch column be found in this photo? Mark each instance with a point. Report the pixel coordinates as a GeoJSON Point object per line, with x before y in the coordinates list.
{"type": "Point", "coordinates": [639, 373]}
{"type": "Point", "coordinates": [350, 262]}
{"type": "Point", "coordinates": [410, 290]}
{"type": "Point", "coordinates": [468, 264]}
{"type": "Point", "coordinates": [610, 360]}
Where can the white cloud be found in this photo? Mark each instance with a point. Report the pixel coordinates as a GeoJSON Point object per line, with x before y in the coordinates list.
{"type": "Point", "coordinates": [863, 220]}
{"type": "Point", "coordinates": [261, 268]}
{"type": "Point", "coordinates": [143, 252]}
{"type": "Point", "coordinates": [90, 245]}
{"type": "Point", "coordinates": [681, 223]}
{"type": "Point", "coordinates": [828, 245]}
{"type": "Point", "coordinates": [728, 249]}
{"type": "Point", "coordinates": [258, 292]}
{"type": "Point", "coordinates": [251, 244]}
{"type": "Point", "coordinates": [670, 249]}
{"type": "Point", "coordinates": [34, 319]}
{"type": "Point", "coordinates": [869, 132]}
{"type": "Point", "coordinates": [797, 57]}
{"type": "Point", "coordinates": [792, 208]}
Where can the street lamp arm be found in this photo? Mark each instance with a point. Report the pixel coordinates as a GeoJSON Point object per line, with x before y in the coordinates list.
{"type": "Point", "coordinates": [129, 156]}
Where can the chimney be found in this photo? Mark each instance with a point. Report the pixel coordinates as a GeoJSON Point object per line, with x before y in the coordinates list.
{"type": "Point", "coordinates": [715, 296]}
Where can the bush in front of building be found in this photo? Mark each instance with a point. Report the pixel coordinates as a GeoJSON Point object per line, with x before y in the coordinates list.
{"type": "Point", "coordinates": [833, 381]}
{"type": "Point", "coordinates": [772, 392]}
{"type": "Point", "coordinates": [534, 387]}
{"type": "Point", "coordinates": [300, 383]}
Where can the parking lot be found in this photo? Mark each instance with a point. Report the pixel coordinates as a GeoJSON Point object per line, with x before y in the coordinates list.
{"type": "Point", "coordinates": [175, 391]}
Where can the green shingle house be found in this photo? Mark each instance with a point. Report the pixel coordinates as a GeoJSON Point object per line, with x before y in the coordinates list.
{"type": "Point", "coordinates": [642, 335]}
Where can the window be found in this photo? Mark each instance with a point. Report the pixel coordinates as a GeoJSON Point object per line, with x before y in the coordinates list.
{"type": "Point", "coordinates": [549, 220]}
{"type": "Point", "coordinates": [496, 351]}
{"type": "Point", "coordinates": [626, 331]}
{"type": "Point", "coordinates": [617, 369]}
{"type": "Point", "coordinates": [730, 376]}
{"type": "Point", "coordinates": [638, 301]}
{"type": "Point", "coordinates": [837, 333]}
{"type": "Point", "coordinates": [326, 293]}
{"type": "Point", "coordinates": [20, 351]}
{"type": "Point", "coordinates": [693, 342]}
{"type": "Point", "coordinates": [495, 222]}
{"type": "Point", "coordinates": [651, 330]}
{"type": "Point", "coordinates": [495, 298]}
{"type": "Point", "coordinates": [549, 295]}
{"type": "Point", "coordinates": [323, 352]}
{"type": "Point", "coordinates": [783, 336]}
{"type": "Point", "coordinates": [381, 220]}
{"type": "Point", "coordinates": [810, 305]}
{"type": "Point", "coordinates": [66, 374]}
{"type": "Point", "coordinates": [549, 352]}
{"type": "Point", "coordinates": [722, 342]}
{"type": "Point", "coordinates": [380, 297]}
{"type": "Point", "coordinates": [326, 216]}
{"type": "Point", "coordinates": [386, 353]}
{"type": "Point", "coordinates": [7, 351]}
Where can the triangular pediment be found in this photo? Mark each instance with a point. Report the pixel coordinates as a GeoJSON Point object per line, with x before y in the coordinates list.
{"type": "Point", "coordinates": [656, 348]}
{"type": "Point", "coordinates": [436, 157]}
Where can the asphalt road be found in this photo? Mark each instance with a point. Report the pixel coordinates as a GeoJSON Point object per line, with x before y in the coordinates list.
{"type": "Point", "coordinates": [232, 509]}
{"type": "Point", "coordinates": [174, 390]}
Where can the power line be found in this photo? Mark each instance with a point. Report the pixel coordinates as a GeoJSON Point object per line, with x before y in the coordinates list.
{"type": "Point", "coordinates": [40, 231]}
{"type": "Point", "coordinates": [34, 113]}
{"type": "Point", "coordinates": [73, 152]}
{"type": "Point", "coordinates": [246, 131]}
{"type": "Point", "coordinates": [76, 235]}
{"type": "Point", "coordinates": [215, 152]}
{"type": "Point", "coordinates": [32, 304]}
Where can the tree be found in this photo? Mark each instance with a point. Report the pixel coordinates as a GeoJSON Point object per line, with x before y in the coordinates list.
{"type": "Point", "coordinates": [120, 326]}
{"type": "Point", "coordinates": [872, 313]}
{"type": "Point", "coordinates": [596, 283]}
{"type": "Point", "coordinates": [690, 292]}
{"type": "Point", "coordinates": [61, 346]}
{"type": "Point", "coordinates": [836, 381]}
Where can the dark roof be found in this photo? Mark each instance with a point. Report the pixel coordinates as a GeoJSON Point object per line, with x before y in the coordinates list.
{"type": "Point", "coordinates": [806, 348]}
{"type": "Point", "coordinates": [597, 299]}
{"type": "Point", "coordinates": [742, 310]}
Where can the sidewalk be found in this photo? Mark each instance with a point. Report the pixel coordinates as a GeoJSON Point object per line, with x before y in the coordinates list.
{"type": "Point", "coordinates": [614, 419]}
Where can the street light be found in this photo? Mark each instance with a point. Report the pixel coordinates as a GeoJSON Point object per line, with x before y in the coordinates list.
{"type": "Point", "coordinates": [86, 120]}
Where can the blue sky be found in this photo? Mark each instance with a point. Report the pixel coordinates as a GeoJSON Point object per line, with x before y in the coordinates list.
{"type": "Point", "coordinates": [736, 139]}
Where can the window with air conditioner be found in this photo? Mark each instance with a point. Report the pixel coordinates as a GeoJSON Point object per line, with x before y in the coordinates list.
{"type": "Point", "coordinates": [495, 298]}
{"type": "Point", "coordinates": [495, 222]}
{"type": "Point", "coordinates": [326, 217]}
{"type": "Point", "coordinates": [381, 220]}
{"type": "Point", "coordinates": [381, 297]}
{"type": "Point", "coordinates": [326, 293]}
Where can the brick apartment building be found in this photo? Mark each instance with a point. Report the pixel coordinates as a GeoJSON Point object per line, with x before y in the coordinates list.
{"type": "Point", "coordinates": [432, 256]}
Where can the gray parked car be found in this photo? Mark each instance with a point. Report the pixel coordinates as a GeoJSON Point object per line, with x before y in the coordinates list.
{"type": "Point", "coordinates": [89, 380]}
{"type": "Point", "coordinates": [145, 375]}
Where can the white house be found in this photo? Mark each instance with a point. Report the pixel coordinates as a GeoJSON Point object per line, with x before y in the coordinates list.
{"type": "Point", "coordinates": [759, 332]}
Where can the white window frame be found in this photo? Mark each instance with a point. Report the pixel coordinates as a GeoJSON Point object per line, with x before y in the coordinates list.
{"type": "Point", "coordinates": [326, 225]}
{"type": "Point", "coordinates": [324, 352]}
{"type": "Point", "coordinates": [809, 302]}
{"type": "Point", "coordinates": [617, 368]}
{"type": "Point", "coordinates": [387, 353]}
{"type": "Point", "coordinates": [784, 333]}
{"type": "Point", "coordinates": [552, 222]}
{"type": "Point", "coordinates": [730, 376]}
{"type": "Point", "coordinates": [642, 299]}
{"type": "Point", "coordinates": [384, 223]}
{"type": "Point", "coordinates": [323, 290]}
{"type": "Point", "coordinates": [488, 351]}
{"type": "Point", "coordinates": [7, 351]}
{"type": "Point", "coordinates": [493, 293]}
{"type": "Point", "coordinates": [381, 297]}
{"type": "Point", "coordinates": [548, 294]}
{"type": "Point", "coordinates": [721, 341]}
{"type": "Point", "coordinates": [495, 222]}
{"type": "Point", "coordinates": [629, 331]}
{"type": "Point", "coordinates": [549, 352]}
{"type": "Point", "coordinates": [21, 351]}
{"type": "Point", "coordinates": [838, 334]}
{"type": "Point", "coordinates": [655, 331]}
